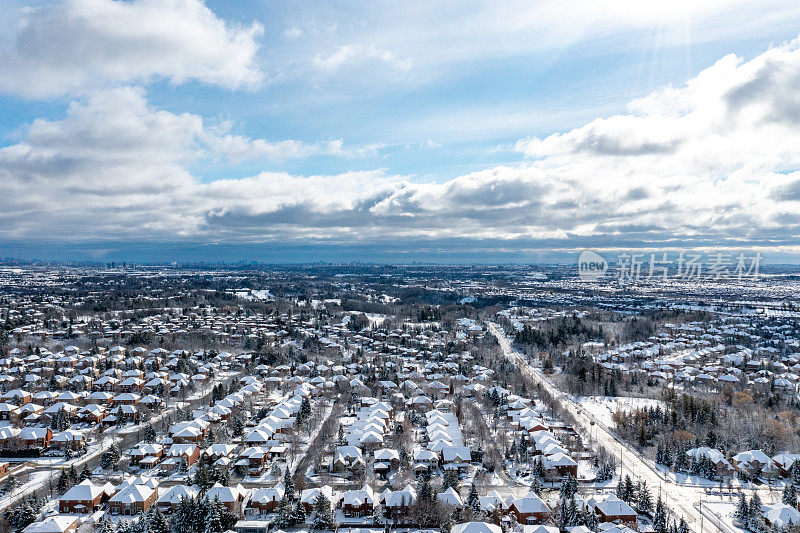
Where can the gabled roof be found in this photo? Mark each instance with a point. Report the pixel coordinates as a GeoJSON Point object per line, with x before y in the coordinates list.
{"type": "Point", "coordinates": [86, 490]}
{"type": "Point", "coordinates": [133, 494]}
{"type": "Point", "coordinates": [475, 527]}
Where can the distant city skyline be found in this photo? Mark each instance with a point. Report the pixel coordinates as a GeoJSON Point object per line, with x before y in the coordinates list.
{"type": "Point", "coordinates": [494, 132]}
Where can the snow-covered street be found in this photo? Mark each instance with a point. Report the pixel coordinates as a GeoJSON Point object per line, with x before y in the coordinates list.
{"type": "Point", "coordinates": [678, 498]}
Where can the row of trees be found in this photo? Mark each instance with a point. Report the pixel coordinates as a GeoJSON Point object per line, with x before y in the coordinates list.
{"type": "Point", "coordinates": [637, 495]}
{"type": "Point", "coordinates": [748, 514]}
{"type": "Point", "coordinates": [24, 513]}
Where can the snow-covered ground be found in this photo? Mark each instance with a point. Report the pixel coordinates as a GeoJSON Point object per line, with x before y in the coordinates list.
{"type": "Point", "coordinates": [678, 498]}
{"type": "Point", "coordinates": [603, 407]}
{"type": "Point", "coordinates": [721, 513]}
{"type": "Point", "coordinates": [292, 462]}
{"type": "Point", "coordinates": [376, 319]}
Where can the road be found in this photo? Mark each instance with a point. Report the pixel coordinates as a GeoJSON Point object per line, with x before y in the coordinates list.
{"type": "Point", "coordinates": [678, 498]}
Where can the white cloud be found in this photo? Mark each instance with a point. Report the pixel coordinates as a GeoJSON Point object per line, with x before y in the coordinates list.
{"type": "Point", "coordinates": [74, 45]}
{"type": "Point", "coordinates": [353, 54]}
{"type": "Point", "coordinates": [713, 161]}
{"type": "Point", "coordinates": [293, 33]}
{"type": "Point", "coordinates": [443, 39]}
{"type": "Point", "coordinates": [114, 166]}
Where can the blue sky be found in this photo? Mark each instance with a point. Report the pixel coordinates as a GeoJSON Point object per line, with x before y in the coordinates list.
{"type": "Point", "coordinates": [516, 130]}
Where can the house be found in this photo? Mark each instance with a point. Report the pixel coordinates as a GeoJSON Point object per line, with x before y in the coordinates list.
{"type": "Point", "coordinates": [17, 396]}
{"type": "Point", "coordinates": [179, 453]}
{"type": "Point", "coordinates": [265, 501]}
{"type": "Point", "coordinates": [560, 465]}
{"type": "Point", "coordinates": [450, 497]}
{"type": "Point", "coordinates": [397, 503]}
{"type": "Point", "coordinates": [751, 462]}
{"type": "Point", "coordinates": [458, 456]}
{"type": "Point", "coordinates": [612, 509]}
{"type": "Point", "coordinates": [254, 458]}
{"type": "Point", "coordinates": [541, 529]}
{"type": "Point", "coordinates": [92, 413]}
{"type": "Point", "coordinates": [9, 412]}
{"type": "Point", "coordinates": [143, 451]}
{"type": "Point", "coordinates": [132, 500]}
{"type": "Point", "coordinates": [425, 459]}
{"type": "Point", "coordinates": [172, 498]}
{"type": "Point", "coordinates": [308, 496]}
{"type": "Point", "coordinates": [54, 524]}
{"type": "Point", "coordinates": [359, 502]}
{"type": "Point", "coordinates": [68, 438]}
{"type": "Point", "coordinates": [193, 431]}
{"type": "Point", "coordinates": [126, 398]}
{"type": "Point", "coordinates": [475, 527]}
{"type": "Point", "coordinates": [784, 462]}
{"type": "Point", "coordinates": [230, 497]}
{"type": "Point", "coordinates": [529, 509]}
{"type": "Point", "coordinates": [721, 465]}
{"type": "Point", "coordinates": [347, 458]}
{"type": "Point", "coordinates": [218, 451]}
{"type": "Point", "coordinates": [252, 526]}
{"type": "Point", "coordinates": [33, 437]}
{"type": "Point", "coordinates": [85, 497]}
{"type": "Point", "coordinates": [780, 515]}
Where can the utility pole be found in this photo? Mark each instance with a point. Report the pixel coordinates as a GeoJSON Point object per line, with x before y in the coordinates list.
{"type": "Point", "coordinates": [701, 516]}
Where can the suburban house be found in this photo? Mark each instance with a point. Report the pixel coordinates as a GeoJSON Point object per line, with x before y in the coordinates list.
{"type": "Point", "coordinates": [132, 500]}
{"type": "Point", "coordinates": [85, 497]}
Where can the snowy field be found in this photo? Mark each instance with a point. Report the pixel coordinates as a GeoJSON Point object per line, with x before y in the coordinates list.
{"type": "Point", "coordinates": [603, 407]}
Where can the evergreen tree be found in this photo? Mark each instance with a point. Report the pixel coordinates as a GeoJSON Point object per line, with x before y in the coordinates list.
{"type": "Point", "coordinates": [298, 514]}
{"type": "Point", "coordinates": [660, 517]}
{"type": "Point", "coordinates": [563, 521]}
{"type": "Point", "coordinates": [755, 506]}
{"type": "Point", "coordinates": [157, 523]}
{"type": "Point", "coordinates": [536, 485]}
{"type": "Point", "coordinates": [105, 526]}
{"type": "Point", "coordinates": [591, 521]}
{"type": "Point", "coordinates": [200, 509]}
{"type": "Point", "coordinates": [450, 479]}
{"type": "Point", "coordinates": [628, 489]}
{"type": "Point", "coordinates": [538, 468]}
{"type": "Point", "coordinates": [288, 485]}
{"type": "Point", "coordinates": [305, 411]}
{"type": "Point", "coordinates": [473, 499]}
{"type": "Point", "coordinates": [284, 512]}
{"type": "Point", "coordinates": [182, 519]}
{"type": "Point", "coordinates": [226, 517]}
{"type": "Point", "coordinates": [660, 454]}
{"type": "Point", "coordinates": [681, 461]}
{"type": "Point", "coordinates": [604, 472]}
{"type": "Point", "coordinates": [63, 482]}
{"type": "Point", "coordinates": [321, 515]}
{"type": "Point", "coordinates": [644, 499]}
{"type": "Point", "coordinates": [213, 521]}
{"type": "Point", "coordinates": [425, 494]}
{"type": "Point", "coordinates": [10, 484]}
{"type": "Point", "coordinates": [742, 509]}
{"type": "Point", "coordinates": [790, 495]}
{"type": "Point", "coordinates": [569, 486]}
